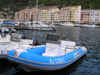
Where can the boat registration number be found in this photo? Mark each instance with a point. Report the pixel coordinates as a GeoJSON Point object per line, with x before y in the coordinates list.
{"type": "Point", "coordinates": [61, 60]}
{"type": "Point", "coordinates": [3, 51]}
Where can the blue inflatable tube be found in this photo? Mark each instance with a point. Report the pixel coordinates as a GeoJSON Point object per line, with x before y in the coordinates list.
{"type": "Point", "coordinates": [33, 59]}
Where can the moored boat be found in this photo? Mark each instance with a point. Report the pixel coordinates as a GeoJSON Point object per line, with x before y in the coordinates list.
{"type": "Point", "coordinates": [41, 26]}
{"type": "Point", "coordinates": [55, 55]}
{"type": "Point", "coordinates": [88, 25]}
{"type": "Point", "coordinates": [5, 40]}
{"type": "Point", "coordinates": [66, 24]}
{"type": "Point", "coordinates": [15, 42]}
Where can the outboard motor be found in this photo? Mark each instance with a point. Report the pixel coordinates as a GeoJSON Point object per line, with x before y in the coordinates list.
{"type": "Point", "coordinates": [35, 42]}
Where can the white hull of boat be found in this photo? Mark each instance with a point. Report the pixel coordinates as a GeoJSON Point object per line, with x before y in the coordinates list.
{"type": "Point", "coordinates": [41, 28]}
{"type": "Point", "coordinates": [64, 24]}
{"type": "Point", "coordinates": [87, 26]}
{"type": "Point", "coordinates": [6, 45]}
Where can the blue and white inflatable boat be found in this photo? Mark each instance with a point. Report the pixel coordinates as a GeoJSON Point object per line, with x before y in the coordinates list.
{"type": "Point", "coordinates": [55, 55]}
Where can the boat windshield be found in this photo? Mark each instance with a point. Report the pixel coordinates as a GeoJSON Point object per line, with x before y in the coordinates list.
{"type": "Point", "coordinates": [53, 37]}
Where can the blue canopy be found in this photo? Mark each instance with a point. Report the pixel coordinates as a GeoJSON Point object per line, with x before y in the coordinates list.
{"type": "Point", "coordinates": [9, 23]}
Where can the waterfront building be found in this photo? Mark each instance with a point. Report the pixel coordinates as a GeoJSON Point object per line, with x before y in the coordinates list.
{"type": "Point", "coordinates": [71, 14]}
{"type": "Point", "coordinates": [57, 16]}
{"type": "Point", "coordinates": [85, 16]}
{"type": "Point", "coordinates": [90, 16]}
{"type": "Point", "coordinates": [50, 15]}
{"type": "Point", "coordinates": [43, 15]}
{"type": "Point", "coordinates": [25, 15]}
{"type": "Point", "coordinates": [95, 16]}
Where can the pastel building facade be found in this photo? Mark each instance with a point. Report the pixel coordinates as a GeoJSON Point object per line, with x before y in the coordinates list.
{"type": "Point", "coordinates": [43, 15]}
{"type": "Point", "coordinates": [66, 14]}
{"type": "Point", "coordinates": [49, 15]}
{"type": "Point", "coordinates": [25, 15]}
{"type": "Point", "coordinates": [71, 14]}
{"type": "Point", "coordinates": [95, 16]}
{"type": "Point", "coordinates": [90, 16]}
{"type": "Point", "coordinates": [85, 16]}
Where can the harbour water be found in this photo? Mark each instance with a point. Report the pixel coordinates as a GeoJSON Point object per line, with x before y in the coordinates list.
{"type": "Point", "coordinates": [87, 65]}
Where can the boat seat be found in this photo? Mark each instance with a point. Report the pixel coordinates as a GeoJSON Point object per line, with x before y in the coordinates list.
{"type": "Point", "coordinates": [17, 42]}
{"type": "Point", "coordinates": [52, 50]}
{"type": "Point", "coordinates": [63, 45]}
{"type": "Point", "coordinates": [70, 46]}
{"type": "Point", "coordinates": [14, 41]}
{"type": "Point", "coordinates": [67, 46]}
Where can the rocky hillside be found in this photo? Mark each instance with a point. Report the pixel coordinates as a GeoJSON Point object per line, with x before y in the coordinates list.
{"type": "Point", "coordinates": [9, 7]}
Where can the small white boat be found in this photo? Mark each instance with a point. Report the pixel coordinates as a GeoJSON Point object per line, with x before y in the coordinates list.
{"type": "Point", "coordinates": [88, 25]}
{"type": "Point", "coordinates": [12, 41]}
{"type": "Point", "coordinates": [55, 55]}
{"type": "Point", "coordinates": [5, 40]}
{"type": "Point", "coordinates": [41, 26]}
{"type": "Point", "coordinates": [15, 43]}
{"type": "Point", "coordinates": [66, 24]}
{"type": "Point", "coordinates": [76, 25]}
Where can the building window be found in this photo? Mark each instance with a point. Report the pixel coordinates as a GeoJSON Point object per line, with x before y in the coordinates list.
{"type": "Point", "coordinates": [96, 20]}
{"type": "Point", "coordinates": [96, 14]}
{"type": "Point", "coordinates": [92, 15]}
